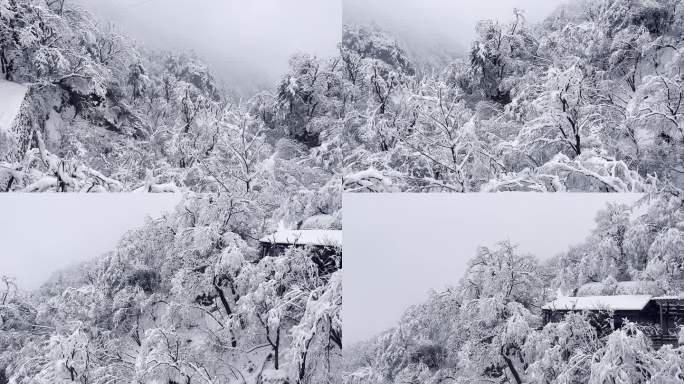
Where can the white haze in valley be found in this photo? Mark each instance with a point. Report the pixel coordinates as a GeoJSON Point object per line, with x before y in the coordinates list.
{"type": "Point", "coordinates": [398, 247]}
{"type": "Point", "coordinates": [247, 44]}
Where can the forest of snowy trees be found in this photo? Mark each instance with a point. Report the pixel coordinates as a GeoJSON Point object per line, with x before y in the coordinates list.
{"type": "Point", "coordinates": [489, 327]}
{"type": "Point", "coordinates": [104, 114]}
{"type": "Point", "coordinates": [188, 298]}
{"type": "Point", "coordinates": [590, 99]}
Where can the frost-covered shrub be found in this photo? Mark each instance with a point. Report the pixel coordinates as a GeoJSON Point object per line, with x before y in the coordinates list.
{"type": "Point", "coordinates": [430, 355]}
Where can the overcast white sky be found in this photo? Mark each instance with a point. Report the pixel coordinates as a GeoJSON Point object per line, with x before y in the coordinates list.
{"type": "Point", "coordinates": [435, 22]}
{"type": "Point", "coordinates": [43, 233]}
{"type": "Point", "coordinates": [398, 247]}
{"type": "Point", "coordinates": [245, 42]}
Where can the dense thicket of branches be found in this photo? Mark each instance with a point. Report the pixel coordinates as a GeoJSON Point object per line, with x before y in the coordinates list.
{"type": "Point", "coordinates": [105, 114]}
{"type": "Point", "coordinates": [489, 327]}
{"type": "Point", "coordinates": [590, 99]}
{"type": "Point", "coordinates": [184, 299]}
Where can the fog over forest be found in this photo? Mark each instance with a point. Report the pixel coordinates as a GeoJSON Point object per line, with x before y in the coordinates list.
{"type": "Point", "coordinates": [247, 44]}
{"type": "Point", "coordinates": [443, 28]}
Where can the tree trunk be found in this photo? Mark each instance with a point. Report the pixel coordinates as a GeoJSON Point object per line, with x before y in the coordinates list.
{"type": "Point", "coordinates": [336, 337]}
{"type": "Point", "coordinates": [302, 364]}
{"type": "Point", "coordinates": [276, 349]}
{"type": "Point", "coordinates": [511, 367]}
{"type": "Point", "coordinates": [3, 65]}
{"type": "Point", "coordinates": [226, 306]}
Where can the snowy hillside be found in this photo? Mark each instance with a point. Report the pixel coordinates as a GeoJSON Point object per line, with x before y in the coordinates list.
{"type": "Point", "coordinates": [117, 116]}
{"type": "Point", "coordinates": [514, 318]}
{"type": "Point", "coordinates": [589, 99]}
{"type": "Point", "coordinates": [188, 297]}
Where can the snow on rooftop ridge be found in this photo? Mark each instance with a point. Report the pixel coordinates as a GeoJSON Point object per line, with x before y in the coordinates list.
{"type": "Point", "coordinates": [11, 98]}
{"type": "Point", "coordinates": [670, 297]}
{"type": "Point", "coordinates": [614, 303]}
{"type": "Point", "coordinates": [305, 237]}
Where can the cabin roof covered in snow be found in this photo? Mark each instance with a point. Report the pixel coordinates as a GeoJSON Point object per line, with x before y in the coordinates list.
{"type": "Point", "coordinates": [677, 298]}
{"type": "Point", "coordinates": [305, 237]}
{"type": "Point", "coordinates": [11, 98]}
{"type": "Point", "coordinates": [615, 303]}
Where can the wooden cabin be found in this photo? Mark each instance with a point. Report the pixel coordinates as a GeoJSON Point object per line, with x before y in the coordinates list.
{"type": "Point", "coordinates": [660, 316]}
{"type": "Point", "coordinates": [324, 245]}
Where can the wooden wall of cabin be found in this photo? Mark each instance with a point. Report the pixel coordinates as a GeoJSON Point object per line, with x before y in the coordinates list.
{"type": "Point", "coordinates": [604, 321]}
{"type": "Point", "coordinates": [672, 316]}
{"type": "Point", "coordinates": [647, 316]}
